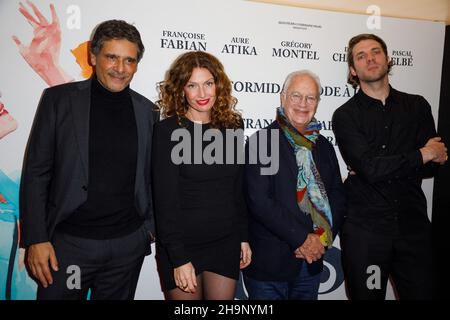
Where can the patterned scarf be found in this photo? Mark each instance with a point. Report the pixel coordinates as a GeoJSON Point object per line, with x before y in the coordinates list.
{"type": "Point", "coordinates": [311, 195]}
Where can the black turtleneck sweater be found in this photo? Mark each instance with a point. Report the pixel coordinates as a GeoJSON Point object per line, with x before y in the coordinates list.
{"type": "Point", "coordinates": [109, 211]}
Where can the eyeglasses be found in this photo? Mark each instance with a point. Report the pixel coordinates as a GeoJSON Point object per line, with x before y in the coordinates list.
{"type": "Point", "coordinates": [296, 97]}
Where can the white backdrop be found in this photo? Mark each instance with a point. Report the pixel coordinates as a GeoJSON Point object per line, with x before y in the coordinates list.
{"type": "Point", "coordinates": [259, 44]}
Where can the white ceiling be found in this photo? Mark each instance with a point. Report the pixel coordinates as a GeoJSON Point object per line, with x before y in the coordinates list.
{"type": "Point", "coordinates": [432, 10]}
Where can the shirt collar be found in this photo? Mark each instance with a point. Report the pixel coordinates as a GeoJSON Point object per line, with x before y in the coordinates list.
{"type": "Point", "coordinates": [367, 100]}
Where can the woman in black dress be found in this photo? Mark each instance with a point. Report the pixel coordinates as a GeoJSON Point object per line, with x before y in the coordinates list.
{"type": "Point", "coordinates": [201, 216]}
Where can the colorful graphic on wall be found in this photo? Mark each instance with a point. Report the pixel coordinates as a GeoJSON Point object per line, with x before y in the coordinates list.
{"type": "Point", "coordinates": [14, 281]}
{"type": "Point", "coordinates": [7, 123]}
{"type": "Point", "coordinates": [42, 54]}
{"type": "Point", "coordinates": [81, 54]}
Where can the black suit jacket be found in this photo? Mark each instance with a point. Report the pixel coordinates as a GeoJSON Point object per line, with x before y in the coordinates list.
{"type": "Point", "coordinates": [55, 171]}
{"type": "Point", "coordinates": [276, 225]}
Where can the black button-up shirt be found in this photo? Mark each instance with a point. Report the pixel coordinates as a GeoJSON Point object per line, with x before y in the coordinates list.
{"type": "Point", "coordinates": [381, 143]}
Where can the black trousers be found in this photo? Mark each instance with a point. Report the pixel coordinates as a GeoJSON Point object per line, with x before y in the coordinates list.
{"type": "Point", "coordinates": [369, 259]}
{"type": "Point", "coordinates": [109, 268]}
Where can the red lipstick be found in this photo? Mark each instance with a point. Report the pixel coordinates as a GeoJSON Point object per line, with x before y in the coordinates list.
{"type": "Point", "coordinates": [203, 102]}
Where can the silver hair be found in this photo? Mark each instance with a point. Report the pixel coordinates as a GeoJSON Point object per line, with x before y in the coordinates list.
{"type": "Point", "coordinates": [308, 73]}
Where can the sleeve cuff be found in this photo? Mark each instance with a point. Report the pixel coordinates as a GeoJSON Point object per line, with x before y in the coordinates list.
{"type": "Point", "coordinates": [177, 256]}
{"type": "Point", "coordinates": [415, 159]}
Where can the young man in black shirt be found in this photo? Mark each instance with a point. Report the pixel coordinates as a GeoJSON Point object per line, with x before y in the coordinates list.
{"type": "Point", "coordinates": [388, 141]}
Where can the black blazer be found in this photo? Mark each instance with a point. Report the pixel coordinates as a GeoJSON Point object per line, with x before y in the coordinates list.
{"type": "Point", "coordinates": [55, 171]}
{"type": "Point", "coordinates": [276, 225]}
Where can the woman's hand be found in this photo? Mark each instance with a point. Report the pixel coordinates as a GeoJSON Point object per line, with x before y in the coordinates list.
{"type": "Point", "coordinates": [246, 255]}
{"type": "Point", "coordinates": [185, 278]}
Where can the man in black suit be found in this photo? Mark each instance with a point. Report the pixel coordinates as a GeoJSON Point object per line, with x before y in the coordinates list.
{"type": "Point", "coordinates": [86, 209]}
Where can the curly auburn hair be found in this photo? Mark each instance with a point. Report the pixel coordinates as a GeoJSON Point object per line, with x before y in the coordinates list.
{"type": "Point", "coordinates": [172, 101]}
